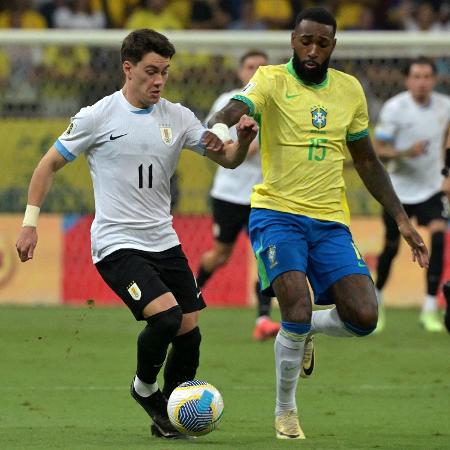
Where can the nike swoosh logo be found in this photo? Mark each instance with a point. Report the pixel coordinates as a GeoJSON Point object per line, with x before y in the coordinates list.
{"type": "Point", "coordinates": [289, 96]}
{"type": "Point", "coordinates": [113, 138]}
{"type": "Point", "coordinates": [360, 264]}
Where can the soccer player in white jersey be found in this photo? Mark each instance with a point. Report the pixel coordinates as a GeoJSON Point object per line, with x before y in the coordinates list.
{"type": "Point", "coordinates": [411, 135]}
{"type": "Point", "coordinates": [132, 140]}
{"type": "Point", "coordinates": [230, 195]}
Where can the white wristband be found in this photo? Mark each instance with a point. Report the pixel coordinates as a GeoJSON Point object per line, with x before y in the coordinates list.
{"type": "Point", "coordinates": [222, 131]}
{"type": "Point", "coordinates": [31, 216]}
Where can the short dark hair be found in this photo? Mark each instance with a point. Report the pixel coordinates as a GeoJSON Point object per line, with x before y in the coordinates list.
{"type": "Point", "coordinates": [250, 54]}
{"type": "Point", "coordinates": [143, 41]}
{"type": "Point", "coordinates": [317, 14]}
{"type": "Point", "coordinates": [422, 60]}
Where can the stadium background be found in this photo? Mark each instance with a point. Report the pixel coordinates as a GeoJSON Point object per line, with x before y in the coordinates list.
{"type": "Point", "coordinates": [47, 75]}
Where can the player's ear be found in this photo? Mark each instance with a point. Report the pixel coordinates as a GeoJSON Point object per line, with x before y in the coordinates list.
{"type": "Point", "coordinates": [126, 67]}
{"type": "Point", "coordinates": [293, 37]}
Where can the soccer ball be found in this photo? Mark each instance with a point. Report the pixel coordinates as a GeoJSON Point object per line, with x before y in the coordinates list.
{"type": "Point", "coordinates": [195, 408]}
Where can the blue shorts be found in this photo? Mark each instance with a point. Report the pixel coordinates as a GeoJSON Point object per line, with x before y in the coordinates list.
{"type": "Point", "coordinates": [323, 250]}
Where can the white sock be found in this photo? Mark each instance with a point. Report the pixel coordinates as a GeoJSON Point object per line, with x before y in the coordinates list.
{"type": "Point", "coordinates": [429, 303]}
{"type": "Point", "coordinates": [144, 389]}
{"type": "Point", "coordinates": [327, 321]}
{"type": "Point", "coordinates": [288, 358]}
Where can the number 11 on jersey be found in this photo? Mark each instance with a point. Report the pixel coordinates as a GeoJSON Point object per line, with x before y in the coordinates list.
{"type": "Point", "coordinates": [141, 176]}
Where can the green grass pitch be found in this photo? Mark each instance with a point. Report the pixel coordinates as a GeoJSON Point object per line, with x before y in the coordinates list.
{"type": "Point", "coordinates": [65, 374]}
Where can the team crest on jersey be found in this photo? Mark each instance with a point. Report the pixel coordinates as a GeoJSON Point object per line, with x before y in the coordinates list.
{"type": "Point", "coordinates": [134, 291]}
{"type": "Point", "coordinates": [166, 133]}
{"type": "Point", "coordinates": [319, 116]}
{"type": "Point", "coordinates": [272, 256]}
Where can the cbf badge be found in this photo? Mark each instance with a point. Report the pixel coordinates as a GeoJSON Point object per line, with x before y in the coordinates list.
{"type": "Point", "coordinates": [166, 134]}
{"type": "Point", "coordinates": [272, 256]}
{"type": "Point", "coordinates": [319, 116]}
{"type": "Point", "coordinates": [134, 291]}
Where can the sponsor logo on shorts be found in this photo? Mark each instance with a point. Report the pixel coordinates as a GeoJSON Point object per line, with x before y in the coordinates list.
{"type": "Point", "coordinates": [272, 256]}
{"type": "Point", "coordinates": [134, 291]}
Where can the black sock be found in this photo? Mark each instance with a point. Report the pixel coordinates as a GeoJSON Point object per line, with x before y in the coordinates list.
{"type": "Point", "coordinates": [384, 264]}
{"type": "Point", "coordinates": [436, 262]}
{"type": "Point", "coordinates": [182, 361]}
{"type": "Point", "coordinates": [153, 342]}
{"type": "Point", "coordinates": [202, 277]}
{"type": "Point", "coordinates": [264, 302]}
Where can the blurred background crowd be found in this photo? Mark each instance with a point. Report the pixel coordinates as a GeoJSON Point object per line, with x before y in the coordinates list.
{"type": "Point", "coordinates": [409, 15]}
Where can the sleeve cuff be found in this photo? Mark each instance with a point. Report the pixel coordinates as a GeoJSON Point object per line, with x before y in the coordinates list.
{"type": "Point", "coordinates": [357, 136]}
{"type": "Point", "coordinates": [247, 101]}
{"type": "Point", "coordinates": [63, 151]}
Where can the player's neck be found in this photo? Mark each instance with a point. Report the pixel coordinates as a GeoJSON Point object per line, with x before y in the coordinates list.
{"type": "Point", "coordinates": [422, 100]}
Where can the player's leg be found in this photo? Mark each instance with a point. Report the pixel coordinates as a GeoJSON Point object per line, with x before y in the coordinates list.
{"type": "Point", "coordinates": [265, 327]}
{"type": "Point", "coordinates": [184, 355]}
{"type": "Point", "coordinates": [228, 220]}
{"type": "Point", "coordinates": [390, 249]}
{"type": "Point", "coordinates": [282, 254]}
{"type": "Point", "coordinates": [431, 213]}
{"type": "Point", "coordinates": [131, 274]}
{"type": "Point", "coordinates": [333, 259]}
{"type": "Point", "coordinates": [446, 291]}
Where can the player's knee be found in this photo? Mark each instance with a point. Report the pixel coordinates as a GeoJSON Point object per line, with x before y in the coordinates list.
{"type": "Point", "coordinates": [166, 323]}
{"type": "Point", "coordinates": [364, 322]}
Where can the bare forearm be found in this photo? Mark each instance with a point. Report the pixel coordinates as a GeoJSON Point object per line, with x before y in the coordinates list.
{"type": "Point", "coordinates": [229, 114]}
{"type": "Point", "coordinates": [40, 185]}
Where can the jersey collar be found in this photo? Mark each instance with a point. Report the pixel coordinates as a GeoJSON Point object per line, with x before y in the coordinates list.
{"type": "Point", "coordinates": [291, 70]}
{"type": "Point", "coordinates": [132, 108]}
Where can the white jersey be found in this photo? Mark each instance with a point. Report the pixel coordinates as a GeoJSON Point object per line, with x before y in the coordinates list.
{"type": "Point", "coordinates": [132, 153]}
{"type": "Point", "coordinates": [235, 185]}
{"type": "Point", "coordinates": [404, 122]}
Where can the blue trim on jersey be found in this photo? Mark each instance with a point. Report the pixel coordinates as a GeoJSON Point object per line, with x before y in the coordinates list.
{"type": "Point", "coordinates": [297, 328]}
{"type": "Point", "coordinates": [144, 111]}
{"type": "Point", "coordinates": [384, 137]}
{"type": "Point", "coordinates": [63, 151]}
{"type": "Point", "coordinates": [358, 331]}
{"type": "Point", "coordinates": [357, 136]}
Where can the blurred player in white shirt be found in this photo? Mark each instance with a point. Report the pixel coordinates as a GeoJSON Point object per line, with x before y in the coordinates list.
{"type": "Point", "coordinates": [411, 136]}
{"type": "Point", "coordinates": [230, 196]}
{"type": "Point", "coordinates": [132, 140]}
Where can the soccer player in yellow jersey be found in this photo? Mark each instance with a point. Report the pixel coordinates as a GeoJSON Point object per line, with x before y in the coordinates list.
{"type": "Point", "coordinates": [299, 220]}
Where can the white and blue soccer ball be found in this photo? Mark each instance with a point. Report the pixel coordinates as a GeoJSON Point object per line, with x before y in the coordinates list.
{"type": "Point", "coordinates": [195, 408]}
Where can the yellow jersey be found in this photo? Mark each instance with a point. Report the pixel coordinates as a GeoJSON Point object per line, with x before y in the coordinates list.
{"type": "Point", "coordinates": [303, 133]}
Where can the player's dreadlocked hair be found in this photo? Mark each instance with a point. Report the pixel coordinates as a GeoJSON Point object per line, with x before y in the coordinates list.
{"type": "Point", "coordinates": [317, 14]}
{"type": "Point", "coordinates": [142, 41]}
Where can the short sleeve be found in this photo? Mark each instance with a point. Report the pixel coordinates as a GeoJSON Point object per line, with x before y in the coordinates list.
{"type": "Point", "coordinates": [359, 126]}
{"type": "Point", "coordinates": [194, 131]}
{"type": "Point", "coordinates": [78, 136]}
{"type": "Point", "coordinates": [256, 93]}
{"type": "Point", "coordinates": [386, 128]}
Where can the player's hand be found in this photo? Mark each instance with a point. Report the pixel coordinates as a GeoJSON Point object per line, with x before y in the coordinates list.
{"type": "Point", "coordinates": [247, 129]}
{"type": "Point", "coordinates": [211, 142]}
{"type": "Point", "coordinates": [418, 248]}
{"type": "Point", "coordinates": [26, 243]}
{"type": "Point", "coordinates": [418, 148]}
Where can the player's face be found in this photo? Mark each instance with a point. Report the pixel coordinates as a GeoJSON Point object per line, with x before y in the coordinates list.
{"type": "Point", "coordinates": [420, 81]}
{"type": "Point", "coordinates": [146, 79]}
{"type": "Point", "coordinates": [249, 67]}
{"type": "Point", "coordinates": [313, 44]}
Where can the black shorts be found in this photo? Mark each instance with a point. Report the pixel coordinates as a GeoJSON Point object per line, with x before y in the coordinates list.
{"type": "Point", "coordinates": [229, 219]}
{"type": "Point", "coordinates": [138, 277]}
{"type": "Point", "coordinates": [424, 212]}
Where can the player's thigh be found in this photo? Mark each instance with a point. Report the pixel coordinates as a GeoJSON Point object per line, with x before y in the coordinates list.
{"type": "Point", "coordinates": [332, 256]}
{"type": "Point", "coordinates": [133, 276]}
{"type": "Point", "coordinates": [229, 219]}
{"type": "Point", "coordinates": [176, 274]}
{"type": "Point", "coordinates": [279, 244]}
{"type": "Point", "coordinates": [355, 299]}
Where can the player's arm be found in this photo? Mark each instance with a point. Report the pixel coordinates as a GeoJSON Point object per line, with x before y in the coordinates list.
{"type": "Point", "coordinates": [386, 151]}
{"type": "Point", "coordinates": [377, 181]}
{"type": "Point", "coordinates": [231, 154]}
{"type": "Point", "coordinates": [229, 114]}
{"type": "Point", "coordinates": [38, 189]}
